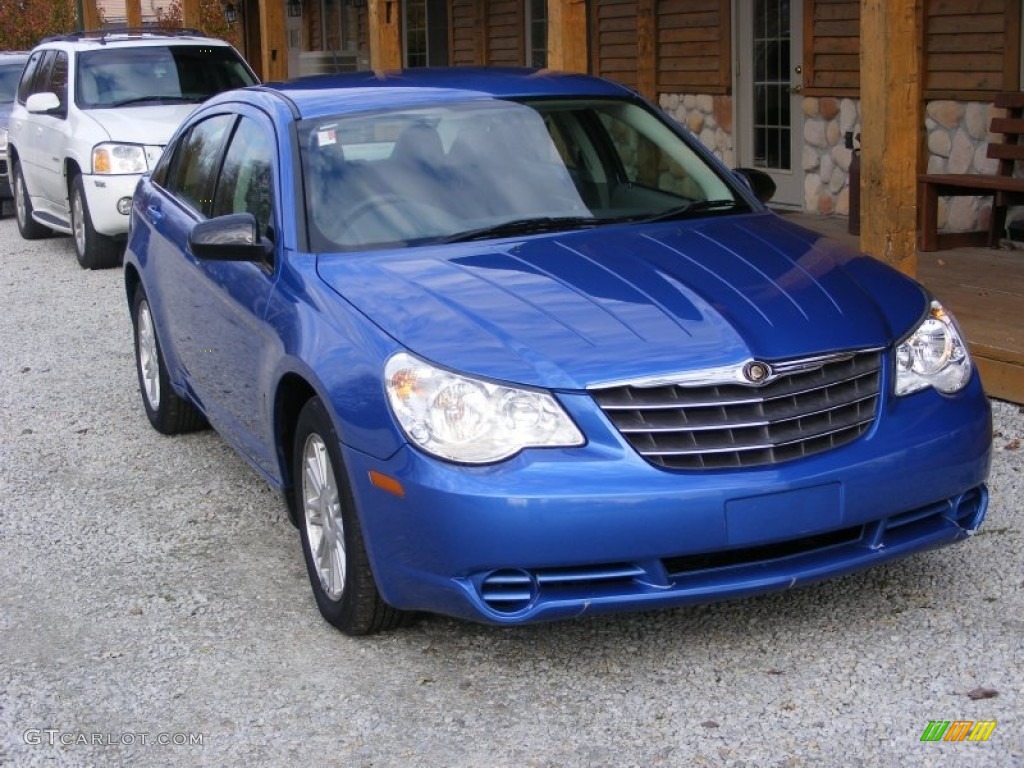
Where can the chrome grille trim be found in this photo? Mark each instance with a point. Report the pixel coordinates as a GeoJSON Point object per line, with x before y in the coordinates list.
{"type": "Point", "coordinates": [808, 406]}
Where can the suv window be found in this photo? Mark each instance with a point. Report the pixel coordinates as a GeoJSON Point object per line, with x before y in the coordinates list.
{"type": "Point", "coordinates": [196, 160]}
{"type": "Point", "coordinates": [9, 75]}
{"type": "Point", "coordinates": [27, 77]}
{"type": "Point", "coordinates": [58, 81]}
{"type": "Point", "coordinates": [115, 77]}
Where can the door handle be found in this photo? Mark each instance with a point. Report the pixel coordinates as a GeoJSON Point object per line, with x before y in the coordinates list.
{"type": "Point", "coordinates": [155, 213]}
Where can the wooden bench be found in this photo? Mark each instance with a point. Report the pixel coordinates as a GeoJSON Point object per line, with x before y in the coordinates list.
{"type": "Point", "coordinates": [1004, 189]}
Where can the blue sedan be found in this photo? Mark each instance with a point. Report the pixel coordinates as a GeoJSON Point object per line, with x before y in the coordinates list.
{"type": "Point", "coordinates": [516, 348]}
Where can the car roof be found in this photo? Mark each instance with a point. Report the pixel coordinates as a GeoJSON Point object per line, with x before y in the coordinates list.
{"type": "Point", "coordinates": [324, 95]}
{"type": "Point", "coordinates": [124, 38]}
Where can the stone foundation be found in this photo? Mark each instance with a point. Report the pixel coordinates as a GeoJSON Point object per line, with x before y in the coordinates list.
{"type": "Point", "coordinates": [707, 117]}
{"type": "Point", "coordinates": [957, 143]}
{"type": "Point", "coordinates": [826, 160]}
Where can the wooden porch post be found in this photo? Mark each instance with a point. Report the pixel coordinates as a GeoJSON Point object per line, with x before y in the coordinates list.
{"type": "Point", "coordinates": [891, 35]}
{"type": "Point", "coordinates": [190, 14]}
{"type": "Point", "coordinates": [133, 13]}
{"type": "Point", "coordinates": [567, 35]}
{"type": "Point", "coordinates": [273, 41]}
{"type": "Point", "coordinates": [385, 35]}
{"type": "Point", "coordinates": [90, 15]}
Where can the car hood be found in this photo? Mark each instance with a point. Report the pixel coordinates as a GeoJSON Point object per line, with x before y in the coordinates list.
{"type": "Point", "coordinates": [149, 124]}
{"type": "Point", "coordinates": [615, 303]}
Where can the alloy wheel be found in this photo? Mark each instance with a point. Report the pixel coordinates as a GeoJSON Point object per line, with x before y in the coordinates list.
{"type": "Point", "coordinates": [149, 357]}
{"type": "Point", "coordinates": [321, 506]}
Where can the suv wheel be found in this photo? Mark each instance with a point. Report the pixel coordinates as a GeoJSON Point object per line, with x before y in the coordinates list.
{"type": "Point", "coordinates": [94, 251]}
{"type": "Point", "coordinates": [29, 228]}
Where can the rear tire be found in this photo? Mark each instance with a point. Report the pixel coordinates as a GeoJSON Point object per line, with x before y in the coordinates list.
{"type": "Point", "coordinates": [29, 228]}
{"type": "Point", "coordinates": [94, 251]}
{"type": "Point", "coordinates": [168, 413]}
{"type": "Point", "coordinates": [332, 539]}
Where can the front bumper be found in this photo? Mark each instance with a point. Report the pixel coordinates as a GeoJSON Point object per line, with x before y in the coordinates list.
{"type": "Point", "coordinates": [554, 534]}
{"type": "Point", "coordinates": [102, 194]}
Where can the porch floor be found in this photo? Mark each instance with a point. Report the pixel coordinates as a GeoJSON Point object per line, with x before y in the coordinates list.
{"type": "Point", "coordinates": [984, 288]}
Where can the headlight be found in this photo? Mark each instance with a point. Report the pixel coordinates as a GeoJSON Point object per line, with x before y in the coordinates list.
{"type": "Point", "coordinates": [118, 158]}
{"type": "Point", "coordinates": [934, 355]}
{"type": "Point", "coordinates": [3, 139]}
{"type": "Point", "coordinates": [470, 420]}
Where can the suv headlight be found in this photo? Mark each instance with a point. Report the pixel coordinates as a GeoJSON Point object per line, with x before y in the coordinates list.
{"type": "Point", "coordinates": [933, 355]}
{"type": "Point", "coordinates": [470, 420]}
{"type": "Point", "coordinates": [3, 139]}
{"type": "Point", "coordinates": [119, 158]}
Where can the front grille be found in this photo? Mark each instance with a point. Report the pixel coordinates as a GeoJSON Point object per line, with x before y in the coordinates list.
{"type": "Point", "coordinates": [823, 404]}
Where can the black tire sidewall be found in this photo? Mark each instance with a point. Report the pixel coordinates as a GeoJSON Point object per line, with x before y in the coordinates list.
{"type": "Point", "coordinates": [352, 613]}
{"type": "Point", "coordinates": [100, 251]}
{"type": "Point", "coordinates": [30, 229]}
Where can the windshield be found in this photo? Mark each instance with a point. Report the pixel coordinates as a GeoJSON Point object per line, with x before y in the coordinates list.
{"type": "Point", "coordinates": [489, 168]}
{"type": "Point", "coordinates": [9, 76]}
{"type": "Point", "coordinates": [117, 77]}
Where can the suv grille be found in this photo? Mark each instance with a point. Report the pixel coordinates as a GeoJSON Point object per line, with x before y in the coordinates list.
{"type": "Point", "coordinates": [813, 406]}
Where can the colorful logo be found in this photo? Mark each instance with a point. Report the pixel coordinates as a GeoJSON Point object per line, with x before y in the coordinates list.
{"type": "Point", "coordinates": [958, 730]}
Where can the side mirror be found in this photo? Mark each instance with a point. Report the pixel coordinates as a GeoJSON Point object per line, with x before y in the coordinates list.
{"type": "Point", "coordinates": [762, 185]}
{"type": "Point", "coordinates": [234, 237]}
{"type": "Point", "coordinates": [40, 103]}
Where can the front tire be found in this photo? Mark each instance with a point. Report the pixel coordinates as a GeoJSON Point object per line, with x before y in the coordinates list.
{"type": "Point", "coordinates": [168, 413]}
{"type": "Point", "coordinates": [29, 228]}
{"type": "Point", "coordinates": [94, 251]}
{"type": "Point", "coordinates": [332, 539]}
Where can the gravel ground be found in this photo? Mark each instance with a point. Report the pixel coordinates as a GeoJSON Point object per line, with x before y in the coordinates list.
{"type": "Point", "coordinates": [154, 591]}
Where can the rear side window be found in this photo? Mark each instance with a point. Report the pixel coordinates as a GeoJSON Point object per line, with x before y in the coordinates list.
{"type": "Point", "coordinates": [196, 160]}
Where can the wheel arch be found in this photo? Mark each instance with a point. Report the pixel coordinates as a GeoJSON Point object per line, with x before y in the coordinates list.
{"type": "Point", "coordinates": [71, 170]}
{"type": "Point", "coordinates": [293, 392]}
{"type": "Point", "coordinates": [132, 280]}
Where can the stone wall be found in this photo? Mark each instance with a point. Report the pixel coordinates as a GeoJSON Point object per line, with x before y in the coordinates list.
{"type": "Point", "coordinates": [707, 117]}
{"type": "Point", "coordinates": [825, 158]}
{"type": "Point", "coordinates": [957, 140]}
{"type": "Point", "coordinates": [826, 161]}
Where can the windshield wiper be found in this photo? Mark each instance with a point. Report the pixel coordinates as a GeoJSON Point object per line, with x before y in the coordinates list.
{"type": "Point", "coordinates": [151, 99]}
{"type": "Point", "coordinates": [523, 227]}
{"type": "Point", "coordinates": [695, 206]}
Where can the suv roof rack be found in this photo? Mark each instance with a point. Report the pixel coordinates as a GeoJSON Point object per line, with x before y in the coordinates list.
{"type": "Point", "coordinates": [102, 34]}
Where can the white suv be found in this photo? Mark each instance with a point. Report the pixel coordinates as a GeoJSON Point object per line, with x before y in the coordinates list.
{"type": "Point", "coordinates": [93, 112]}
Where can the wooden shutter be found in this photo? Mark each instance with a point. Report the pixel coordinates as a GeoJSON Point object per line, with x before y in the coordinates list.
{"type": "Point", "coordinates": [693, 46]}
{"type": "Point", "coordinates": [971, 48]}
{"type": "Point", "coordinates": [832, 48]}
{"type": "Point", "coordinates": [614, 38]}
{"type": "Point", "coordinates": [506, 44]}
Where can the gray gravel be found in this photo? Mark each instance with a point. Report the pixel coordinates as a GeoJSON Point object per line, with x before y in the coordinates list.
{"type": "Point", "coordinates": [153, 586]}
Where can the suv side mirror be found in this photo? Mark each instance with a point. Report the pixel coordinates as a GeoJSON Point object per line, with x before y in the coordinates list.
{"type": "Point", "coordinates": [42, 102]}
{"type": "Point", "coordinates": [759, 182]}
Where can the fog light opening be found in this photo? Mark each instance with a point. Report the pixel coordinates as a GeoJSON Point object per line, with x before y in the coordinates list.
{"type": "Point", "coordinates": [124, 206]}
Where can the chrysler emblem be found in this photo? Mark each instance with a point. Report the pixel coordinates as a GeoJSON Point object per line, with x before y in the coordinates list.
{"type": "Point", "coordinates": [756, 372]}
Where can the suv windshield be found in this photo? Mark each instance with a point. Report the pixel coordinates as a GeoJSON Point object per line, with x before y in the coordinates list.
{"type": "Point", "coordinates": [491, 168]}
{"type": "Point", "coordinates": [117, 77]}
{"type": "Point", "coordinates": [9, 76]}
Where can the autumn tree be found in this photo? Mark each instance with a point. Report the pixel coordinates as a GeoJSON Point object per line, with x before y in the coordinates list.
{"type": "Point", "coordinates": [211, 19]}
{"type": "Point", "coordinates": [23, 23]}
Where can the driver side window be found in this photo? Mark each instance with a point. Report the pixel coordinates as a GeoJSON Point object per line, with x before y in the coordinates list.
{"type": "Point", "coordinates": [245, 184]}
